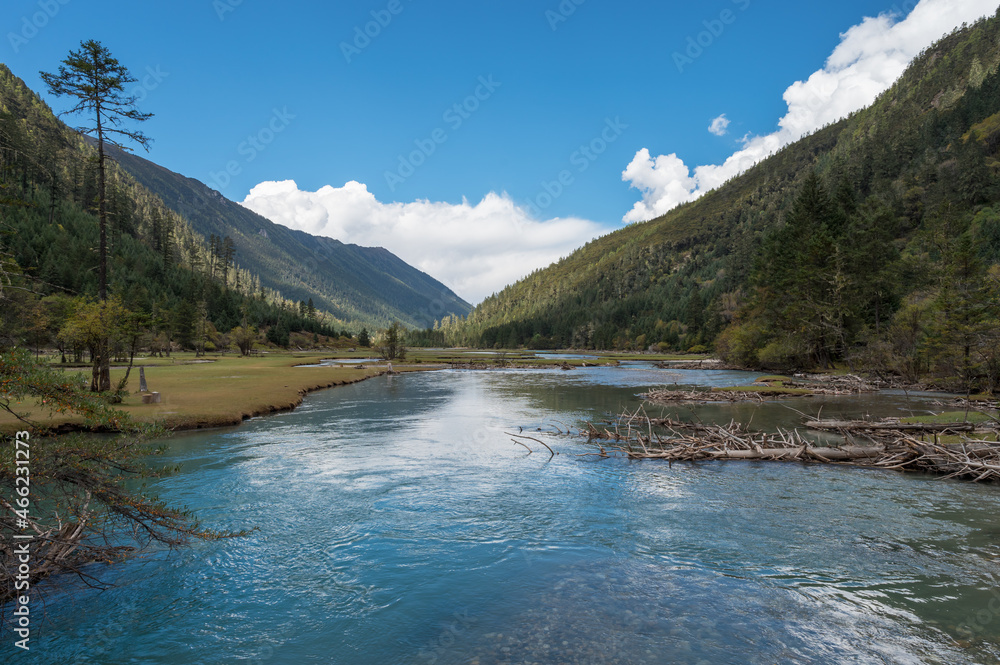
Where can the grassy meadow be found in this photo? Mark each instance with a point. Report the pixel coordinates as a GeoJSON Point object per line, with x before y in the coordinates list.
{"type": "Point", "coordinates": [221, 390]}
{"type": "Point", "coordinates": [216, 390]}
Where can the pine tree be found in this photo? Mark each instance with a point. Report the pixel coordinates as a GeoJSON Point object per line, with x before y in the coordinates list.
{"type": "Point", "coordinates": [97, 81]}
{"type": "Point", "coordinates": [962, 312]}
{"type": "Point", "coordinates": [228, 258]}
{"type": "Point", "coordinates": [798, 278]}
{"type": "Point", "coordinates": [873, 262]}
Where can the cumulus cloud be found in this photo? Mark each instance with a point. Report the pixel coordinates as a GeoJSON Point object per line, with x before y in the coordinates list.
{"type": "Point", "coordinates": [720, 126]}
{"type": "Point", "coordinates": [666, 176]}
{"type": "Point", "coordinates": [869, 58]}
{"type": "Point", "coordinates": [475, 250]}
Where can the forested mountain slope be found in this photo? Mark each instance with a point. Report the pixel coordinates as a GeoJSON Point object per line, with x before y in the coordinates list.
{"type": "Point", "coordinates": [162, 222]}
{"type": "Point", "coordinates": [177, 288]}
{"type": "Point", "coordinates": [355, 283]}
{"type": "Point", "coordinates": [815, 253]}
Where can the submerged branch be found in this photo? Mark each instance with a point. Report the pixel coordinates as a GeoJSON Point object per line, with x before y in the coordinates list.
{"type": "Point", "coordinates": [530, 438]}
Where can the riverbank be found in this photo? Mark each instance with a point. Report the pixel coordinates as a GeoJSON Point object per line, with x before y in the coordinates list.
{"type": "Point", "coordinates": [196, 393]}
{"type": "Point", "coordinates": [224, 390]}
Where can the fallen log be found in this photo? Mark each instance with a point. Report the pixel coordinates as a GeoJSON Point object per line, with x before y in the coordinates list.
{"type": "Point", "coordinates": [847, 453]}
{"type": "Point", "coordinates": [895, 426]}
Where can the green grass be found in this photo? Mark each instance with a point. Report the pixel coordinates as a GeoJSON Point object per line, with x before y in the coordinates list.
{"type": "Point", "coordinates": [773, 379]}
{"type": "Point", "coordinates": [222, 392]}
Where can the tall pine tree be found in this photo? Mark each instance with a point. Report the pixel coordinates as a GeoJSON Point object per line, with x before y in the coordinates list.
{"type": "Point", "coordinates": [97, 81]}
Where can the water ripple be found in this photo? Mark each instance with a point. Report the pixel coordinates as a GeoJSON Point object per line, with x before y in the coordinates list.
{"type": "Point", "coordinates": [398, 524]}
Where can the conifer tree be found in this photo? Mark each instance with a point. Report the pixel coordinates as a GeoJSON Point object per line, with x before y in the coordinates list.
{"type": "Point", "coordinates": [96, 80]}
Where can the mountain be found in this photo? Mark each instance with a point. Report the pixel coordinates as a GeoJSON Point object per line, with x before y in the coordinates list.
{"type": "Point", "coordinates": [45, 164]}
{"type": "Point", "coordinates": [167, 285]}
{"type": "Point", "coordinates": [813, 254]}
{"type": "Point", "coordinates": [366, 284]}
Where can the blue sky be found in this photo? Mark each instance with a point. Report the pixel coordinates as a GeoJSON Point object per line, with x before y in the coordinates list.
{"type": "Point", "coordinates": [271, 91]}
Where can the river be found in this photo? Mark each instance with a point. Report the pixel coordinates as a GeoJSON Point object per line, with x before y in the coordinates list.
{"type": "Point", "coordinates": [398, 523]}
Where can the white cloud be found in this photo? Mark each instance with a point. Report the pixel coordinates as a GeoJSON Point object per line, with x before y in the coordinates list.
{"type": "Point", "coordinates": [720, 126]}
{"type": "Point", "coordinates": [869, 58]}
{"type": "Point", "coordinates": [667, 176]}
{"type": "Point", "coordinates": [473, 249]}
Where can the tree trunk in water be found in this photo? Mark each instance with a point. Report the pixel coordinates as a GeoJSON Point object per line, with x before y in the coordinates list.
{"type": "Point", "coordinates": [863, 425]}
{"type": "Point", "coordinates": [847, 453]}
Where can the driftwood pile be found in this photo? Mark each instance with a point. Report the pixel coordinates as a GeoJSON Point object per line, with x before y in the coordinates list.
{"type": "Point", "coordinates": [637, 436]}
{"type": "Point", "coordinates": [813, 384]}
{"type": "Point", "coordinates": [829, 384]}
{"type": "Point", "coordinates": [707, 363]}
{"type": "Point", "coordinates": [665, 396]}
{"type": "Point", "coordinates": [471, 365]}
{"type": "Point", "coordinates": [962, 403]}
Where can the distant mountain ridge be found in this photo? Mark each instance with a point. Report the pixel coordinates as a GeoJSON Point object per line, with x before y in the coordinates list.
{"type": "Point", "coordinates": [354, 283]}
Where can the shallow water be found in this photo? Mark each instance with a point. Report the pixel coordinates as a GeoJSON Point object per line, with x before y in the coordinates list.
{"type": "Point", "coordinates": [399, 524]}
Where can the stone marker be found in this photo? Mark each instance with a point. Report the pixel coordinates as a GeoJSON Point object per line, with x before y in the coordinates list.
{"type": "Point", "coordinates": [142, 380]}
